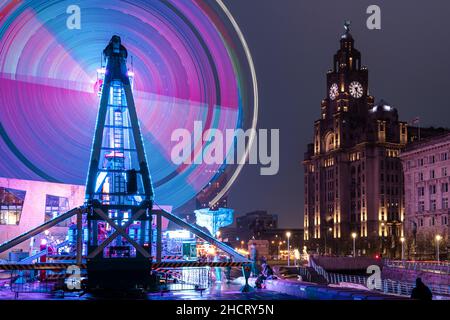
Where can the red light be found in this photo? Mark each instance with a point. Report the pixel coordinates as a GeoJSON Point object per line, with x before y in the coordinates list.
{"type": "Point", "coordinates": [377, 256]}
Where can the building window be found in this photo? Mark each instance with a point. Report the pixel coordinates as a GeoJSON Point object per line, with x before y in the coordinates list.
{"type": "Point", "coordinates": [421, 206]}
{"type": "Point", "coordinates": [55, 206]}
{"type": "Point", "coordinates": [444, 187]}
{"type": "Point", "coordinates": [444, 171]}
{"type": "Point", "coordinates": [432, 174]}
{"type": "Point", "coordinates": [420, 162]}
{"type": "Point", "coordinates": [444, 156]}
{"type": "Point", "coordinates": [444, 220]}
{"type": "Point", "coordinates": [420, 191]}
{"type": "Point", "coordinates": [433, 205]}
{"type": "Point", "coordinates": [420, 176]}
{"type": "Point", "coordinates": [11, 204]}
{"type": "Point", "coordinates": [433, 189]}
{"type": "Point", "coordinates": [444, 203]}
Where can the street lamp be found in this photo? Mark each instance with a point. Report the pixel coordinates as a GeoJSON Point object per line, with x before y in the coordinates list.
{"type": "Point", "coordinates": [402, 240]}
{"type": "Point", "coordinates": [438, 239]}
{"type": "Point", "coordinates": [279, 248]}
{"type": "Point", "coordinates": [288, 235]}
{"type": "Point", "coordinates": [354, 244]}
{"type": "Point", "coordinates": [242, 244]}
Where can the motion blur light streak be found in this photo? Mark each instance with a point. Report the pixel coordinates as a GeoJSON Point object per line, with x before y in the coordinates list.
{"type": "Point", "coordinates": [190, 60]}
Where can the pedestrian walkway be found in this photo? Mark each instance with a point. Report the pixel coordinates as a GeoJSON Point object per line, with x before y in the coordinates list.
{"type": "Point", "coordinates": [218, 291]}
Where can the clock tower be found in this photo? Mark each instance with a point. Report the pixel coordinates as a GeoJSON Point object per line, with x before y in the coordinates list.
{"type": "Point", "coordinates": [347, 93]}
{"type": "Point", "coordinates": [353, 176]}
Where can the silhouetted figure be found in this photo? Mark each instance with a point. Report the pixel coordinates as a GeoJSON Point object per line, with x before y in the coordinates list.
{"type": "Point", "coordinates": [253, 257]}
{"type": "Point", "coordinates": [421, 291]}
{"type": "Point", "coordinates": [266, 274]}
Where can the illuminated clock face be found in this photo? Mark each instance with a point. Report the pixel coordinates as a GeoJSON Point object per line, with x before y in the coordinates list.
{"type": "Point", "coordinates": [334, 91]}
{"type": "Point", "coordinates": [356, 89]}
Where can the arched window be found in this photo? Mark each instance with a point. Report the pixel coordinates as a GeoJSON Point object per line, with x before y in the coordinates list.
{"type": "Point", "coordinates": [329, 142]}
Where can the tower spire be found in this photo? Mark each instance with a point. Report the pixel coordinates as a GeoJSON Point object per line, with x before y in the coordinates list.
{"type": "Point", "coordinates": [347, 35]}
{"type": "Point", "coordinates": [347, 24]}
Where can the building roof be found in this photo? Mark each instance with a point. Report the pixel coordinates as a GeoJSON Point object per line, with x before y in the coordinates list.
{"type": "Point", "coordinates": [428, 142]}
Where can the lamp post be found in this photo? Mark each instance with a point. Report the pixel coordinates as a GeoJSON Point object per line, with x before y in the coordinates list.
{"type": "Point", "coordinates": [402, 240]}
{"type": "Point", "coordinates": [354, 244]}
{"type": "Point", "coordinates": [288, 235]}
{"type": "Point", "coordinates": [438, 239]}
{"type": "Point", "coordinates": [279, 248]}
{"type": "Point", "coordinates": [326, 236]}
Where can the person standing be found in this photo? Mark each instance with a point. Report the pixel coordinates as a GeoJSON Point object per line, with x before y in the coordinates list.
{"type": "Point", "coordinates": [421, 291]}
{"type": "Point", "coordinates": [253, 257]}
{"type": "Point", "coordinates": [218, 269]}
{"type": "Point", "coordinates": [228, 270]}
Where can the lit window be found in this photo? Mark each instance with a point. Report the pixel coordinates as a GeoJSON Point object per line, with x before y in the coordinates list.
{"type": "Point", "coordinates": [55, 206]}
{"type": "Point", "coordinates": [11, 204]}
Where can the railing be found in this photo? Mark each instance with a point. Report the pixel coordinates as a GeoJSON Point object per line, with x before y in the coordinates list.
{"type": "Point", "coordinates": [36, 256]}
{"type": "Point", "coordinates": [427, 266]}
{"type": "Point", "coordinates": [187, 278]}
{"type": "Point", "coordinates": [386, 286]}
{"type": "Point", "coordinates": [337, 278]}
{"type": "Point", "coordinates": [30, 281]}
{"type": "Point", "coordinates": [321, 271]}
{"type": "Point", "coordinates": [306, 275]}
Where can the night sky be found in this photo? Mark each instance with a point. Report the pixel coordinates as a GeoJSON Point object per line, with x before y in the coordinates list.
{"type": "Point", "coordinates": [293, 43]}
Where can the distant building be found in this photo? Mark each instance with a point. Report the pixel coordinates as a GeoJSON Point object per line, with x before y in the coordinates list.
{"type": "Point", "coordinates": [353, 174]}
{"type": "Point", "coordinates": [250, 226]}
{"type": "Point", "coordinates": [257, 221]}
{"type": "Point", "coordinates": [426, 166]}
{"type": "Point", "coordinates": [260, 225]}
{"type": "Point", "coordinates": [278, 239]}
{"type": "Point", "coordinates": [26, 204]}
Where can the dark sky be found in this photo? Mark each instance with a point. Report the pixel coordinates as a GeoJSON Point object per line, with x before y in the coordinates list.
{"type": "Point", "coordinates": [293, 43]}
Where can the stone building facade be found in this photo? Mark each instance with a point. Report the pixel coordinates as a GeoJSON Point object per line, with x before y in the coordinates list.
{"type": "Point", "coordinates": [353, 173]}
{"type": "Point", "coordinates": [426, 165]}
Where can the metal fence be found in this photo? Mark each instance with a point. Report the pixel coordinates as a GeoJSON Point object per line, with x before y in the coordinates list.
{"type": "Point", "coordinates": [386, 286]}
{"type": "Point", "coordinates": [32, 281]}
{"type": "Point", "coordinates": [186, 278]}
{"type": "Point", "coordinates": [306, 275]}
{"type": "Point", "coordinates": [434, 267]}
{"type": "Point", "coordinates": [321, 271]}
{"type": "Point", "coordinates": [337, 278]}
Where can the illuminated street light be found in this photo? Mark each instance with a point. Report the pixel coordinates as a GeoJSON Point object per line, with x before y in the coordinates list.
{"type": "Point", "coordinates": [438, 239]}
{"type": "Point", "coordinates": [288, 235]}
{"type": "Point", "coordinates": [354, 244]}
{"type": "Point", "coordinates": [402, 240]}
